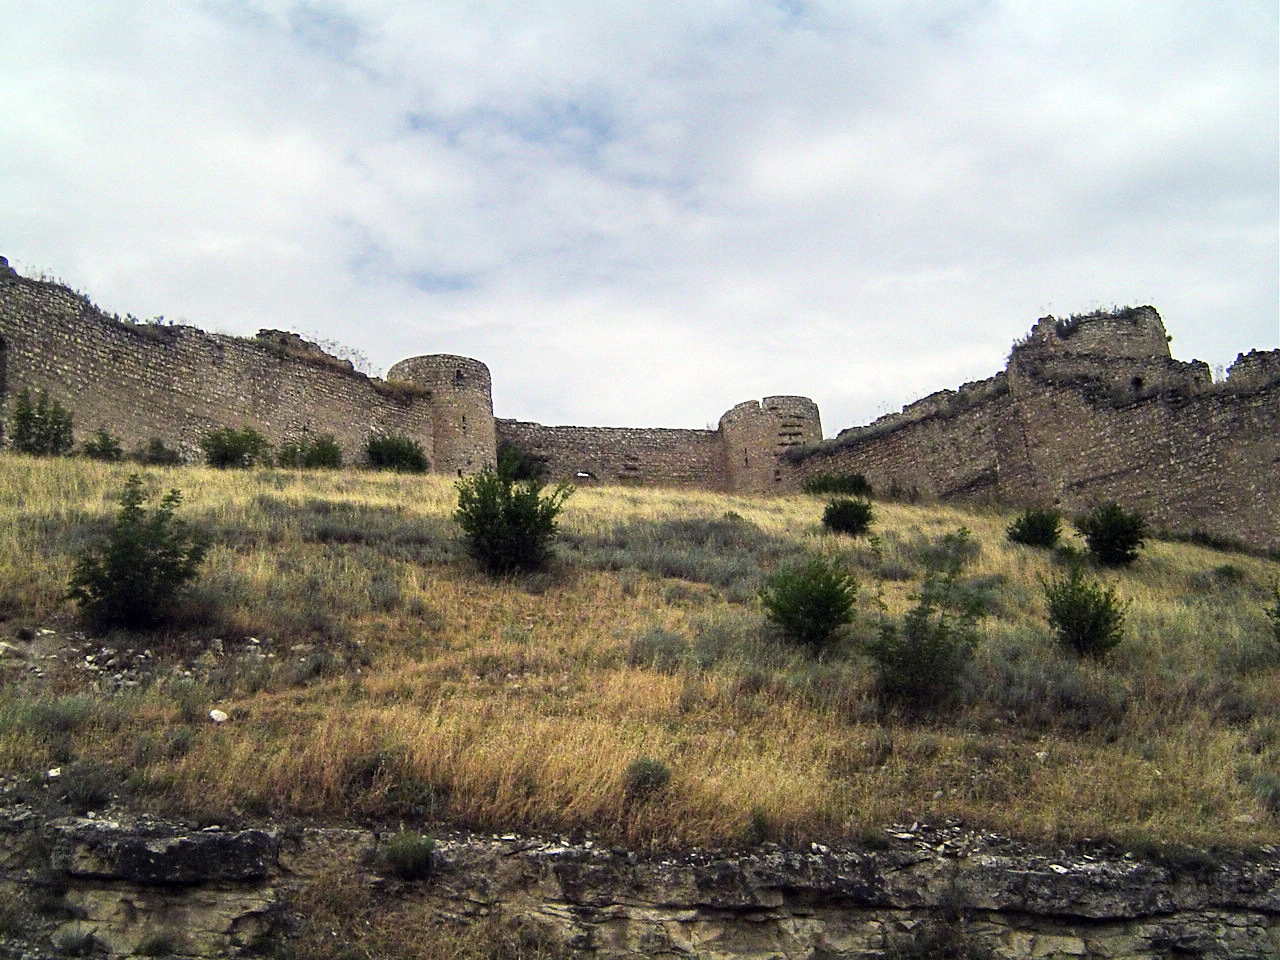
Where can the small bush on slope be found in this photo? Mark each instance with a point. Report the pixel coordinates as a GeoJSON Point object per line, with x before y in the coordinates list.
{"type": "Point", "coordinates": [919, 661]}
{"type": "Point", "coordinates": [131, 578]}
{"type": "Point", "coordinates": [1113, 534]}
{"type": "Point", "coordinates": [508, 525]}
{"type": "Point", "coordinates": [1036, 527]}
{"type": "Point", "coordinates": [811, 601]}
{"type": "Point", "coordinates": [844, 515]}
{"type": "Point", "coordinates": [1087, 618]}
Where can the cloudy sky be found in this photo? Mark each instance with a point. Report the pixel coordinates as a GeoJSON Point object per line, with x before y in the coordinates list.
{"type": "Point", "coordinates": [640, 212]}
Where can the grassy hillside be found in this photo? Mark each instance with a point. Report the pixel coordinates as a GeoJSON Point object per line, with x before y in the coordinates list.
{"type": "Point", "coordinates": [370, 671]}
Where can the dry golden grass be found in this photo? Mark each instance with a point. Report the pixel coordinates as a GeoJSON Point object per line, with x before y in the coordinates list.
{"type": "Point", "coordinates": [402, 685]}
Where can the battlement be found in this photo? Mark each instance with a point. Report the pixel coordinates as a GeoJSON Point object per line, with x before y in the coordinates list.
{"type": "Point", "coordinates": [1131, 332]}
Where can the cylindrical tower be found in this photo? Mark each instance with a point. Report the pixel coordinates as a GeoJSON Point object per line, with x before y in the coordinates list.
{"type": "Point", "coordinates": [462, 409]}
{"type": "Point", "coordinates": [756, 435]}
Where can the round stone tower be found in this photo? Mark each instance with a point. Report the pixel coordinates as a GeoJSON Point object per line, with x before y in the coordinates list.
{"type": "Point", "coordinates": [756, 434]}
{"type": "Point", "coordinates": [461, 398]}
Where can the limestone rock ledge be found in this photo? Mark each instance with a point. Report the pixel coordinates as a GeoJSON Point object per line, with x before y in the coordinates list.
{"type": "Point", "coordinates": [130, 886]}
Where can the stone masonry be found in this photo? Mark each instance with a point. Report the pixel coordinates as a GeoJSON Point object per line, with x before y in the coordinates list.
{"type": "Point", "coordinates": [1088, 409]}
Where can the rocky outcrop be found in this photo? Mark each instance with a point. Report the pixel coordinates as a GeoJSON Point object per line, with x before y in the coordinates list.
{"type": "Point", "coordinates": [131, 886]}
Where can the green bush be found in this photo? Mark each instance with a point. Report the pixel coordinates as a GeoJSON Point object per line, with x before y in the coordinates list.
{"type": "Point", "coordinates": [849, 484]}
{"type": "Point", "coordinates": [1086, 617]}
{"type": "Point", "coordinates": [811, 601]}
{"type": "Point", "coordinates": [311, 453]}
{"type": "Point", "coordinates": [848, 516]}
{"type": "Point", "coordinates": [1036, 527]}
{"type": "Point", "coordinates": [40, 426]}
{"type": "Point", "coordinates": [236, 449]}
{"type": "Point", "coordinates": [157, 454]}
{"type": "Point", "coordinates": [1114, 535]}
{"type": "Point", "coordinates": [920, 661]}
{"type": "Point", "coordinates": [410, 856]}
{"type": "Point", "coordinates": [132, 577]}
{"type": "Point", "coordinates": [389, 452]}
{"type": "Point", "coordinates": [508, 525]}
{"type": "Point", "coordinates": [644, 777]}
{"type": "Point", "coordinates": [103, 446]}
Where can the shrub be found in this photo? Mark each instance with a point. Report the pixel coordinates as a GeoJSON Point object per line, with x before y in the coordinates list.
{"type": "Point", "coordinates": [410, 856]}
{"type": "Point", "coordinates": [231, 448]}
{"type": "Point", "coordinates": [311, 453]}
{"type": "Point", "coordinates": [811, 601]}
{"type": "Point", "coordinates": [387, 452]}
{"type": "Point", "coordinates": [1114, 536]}
{"type": "Point", "coordinates": [103, 446]}
{"type": "Point", "coordinates": [1036, 527]}
{"type": "Point", "coordinates": [40, 426]}
{"type": "Point", "coordinates": [947, 939]}
{"type": "Point", "coordinates": [644, 777]}
{"type": "Point", "coordinates": [508, 525]}
{"type": "Point", "coordinates": [1087, 618]}
{"type": "Point", "coordinates": [131, 578]}
{"type": "Point", "coordinates": [848, 516]}
{"type": "Point", "coordinates": [850, 484]}
{"type": "Point", "coordinates": [919, 662]}
{"type": "Point", "coordinates": [157, 454]}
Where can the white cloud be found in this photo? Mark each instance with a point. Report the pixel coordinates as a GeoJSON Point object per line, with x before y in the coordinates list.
{"type": "Point", "coordinates": [641, 212]}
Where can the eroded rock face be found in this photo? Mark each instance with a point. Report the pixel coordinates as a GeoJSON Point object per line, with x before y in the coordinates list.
{"type": "Point", "coordinates": [132, 885]}
{"type": "Point", "coordinates": [144, 851]}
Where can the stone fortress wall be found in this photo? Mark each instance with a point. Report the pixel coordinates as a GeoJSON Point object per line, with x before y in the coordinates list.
{"type": "Point", "coordinates": [144, 381]}
{"type": "Point", "coordinates": [1088, 409]}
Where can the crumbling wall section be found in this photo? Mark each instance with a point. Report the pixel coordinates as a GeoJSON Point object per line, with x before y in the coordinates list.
{"type": "Point", "coordinates": [176, 383]}
{"type": "Point", "coordinates": [1072, 425]}
{"type": "Point", "coordinates": [692, 458]}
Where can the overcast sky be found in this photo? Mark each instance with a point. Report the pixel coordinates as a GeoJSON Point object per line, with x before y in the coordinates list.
{"type": "Point", "coordinates": [641, 212]}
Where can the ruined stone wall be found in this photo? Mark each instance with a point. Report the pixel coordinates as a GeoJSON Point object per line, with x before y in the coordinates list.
{"type": "Point", "coordinates": [1090, 408]}
{"type": "Point", "coordinates": [741, 455]}
{"type": "Point", "coordinates": [755, 435]}
{"type": "Point", "coordinates": [693, 458]}
{"type": "Point", "coordinates": [1132, 332]}
{"type": "Point", "coordinates": [144, 381]}
{"type": "Point", "coordinates": [949, 453]}
{"type": "Point", "coordinates": [462, 406]}
{"type": "Point", "coordinates": [1073, 428]}
{"type": "Point", "coordinates": [1207, 463]}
